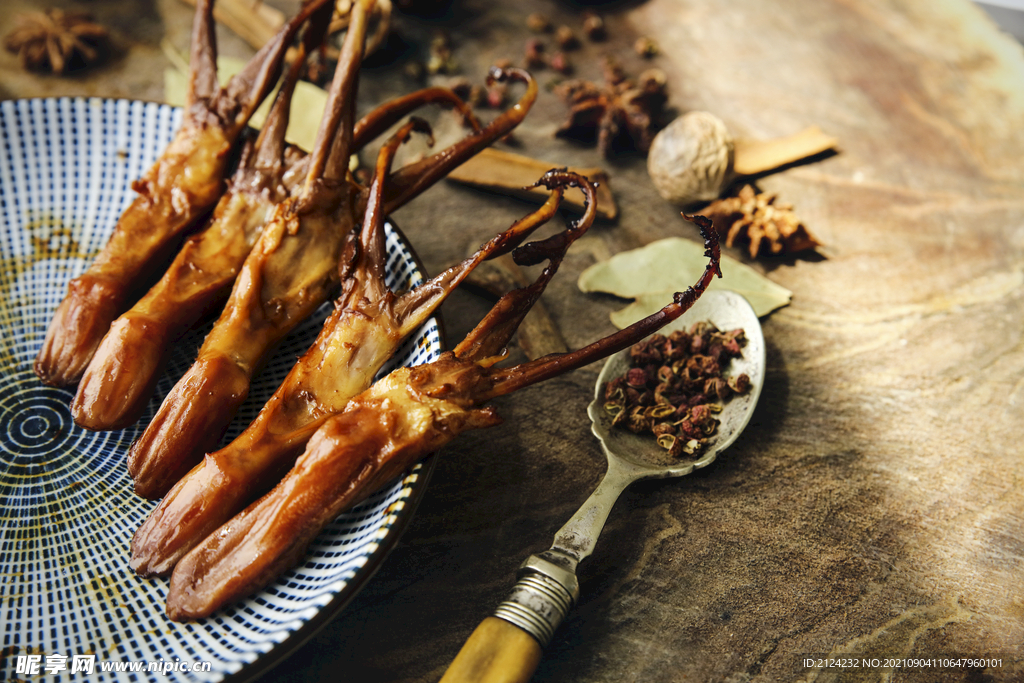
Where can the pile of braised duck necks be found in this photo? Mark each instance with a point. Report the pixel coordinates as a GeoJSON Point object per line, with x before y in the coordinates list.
{"type": "Point", "coordinates": [267, 233]}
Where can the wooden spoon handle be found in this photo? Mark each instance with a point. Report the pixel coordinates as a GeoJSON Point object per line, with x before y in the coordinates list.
{"type": "Point", "coordinates": [506, 647]}
{"type": "Point", "coordinates": [496, 652]}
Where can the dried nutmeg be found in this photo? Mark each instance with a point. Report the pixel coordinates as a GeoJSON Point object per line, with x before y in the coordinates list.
{"type": "Point", "coordinates": [691, 159]}
{"type": "Point", "coordinates": [695, 157]}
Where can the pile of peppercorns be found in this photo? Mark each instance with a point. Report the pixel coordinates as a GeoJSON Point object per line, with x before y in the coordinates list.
{"type": "Point", "coordinates": [675, 386]}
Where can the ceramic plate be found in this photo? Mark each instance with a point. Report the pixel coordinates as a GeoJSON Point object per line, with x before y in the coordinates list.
{"type": "Point", "coordinates": [68, 511]}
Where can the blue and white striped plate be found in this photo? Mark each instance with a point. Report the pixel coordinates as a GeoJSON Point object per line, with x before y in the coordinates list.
{"type": "Point", "coordinates": [68, 511]}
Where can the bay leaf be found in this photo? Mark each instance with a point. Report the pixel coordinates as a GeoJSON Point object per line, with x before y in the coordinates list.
{"type": "Point", "coordinates": [651, 274]}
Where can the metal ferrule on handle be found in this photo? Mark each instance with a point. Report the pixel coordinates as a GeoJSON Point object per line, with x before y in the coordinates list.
{"type": "Point", "coordinates": [541, 598]}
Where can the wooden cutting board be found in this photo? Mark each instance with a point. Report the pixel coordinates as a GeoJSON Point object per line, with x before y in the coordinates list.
{"type": "Point", "coordinates": [875, 506]}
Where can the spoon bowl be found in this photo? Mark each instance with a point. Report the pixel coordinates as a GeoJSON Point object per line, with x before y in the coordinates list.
{"type": "Point", "coordinates": [727, 310]}
{"type": "Point", "coordinates": [507, 646]}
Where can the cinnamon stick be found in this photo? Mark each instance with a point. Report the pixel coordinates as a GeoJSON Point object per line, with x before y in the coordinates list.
{"type": "Point", "coordinates": [510, 174]}
{"type": "Point", "coordinates": [753, 157]}
{"type": "Point", "coordinates": [255, 22]}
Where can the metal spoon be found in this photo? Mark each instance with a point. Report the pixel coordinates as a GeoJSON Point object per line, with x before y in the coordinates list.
{"type": "Point", "coordinates": [507, 646]}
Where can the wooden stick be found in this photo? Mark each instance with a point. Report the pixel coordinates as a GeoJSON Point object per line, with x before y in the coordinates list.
{"type": "Point", "coordinates": [255, 22]}
{"type": "Point", "coordinates": [509, 173]}
{"type": "Point", "coordinates": [753, 157]}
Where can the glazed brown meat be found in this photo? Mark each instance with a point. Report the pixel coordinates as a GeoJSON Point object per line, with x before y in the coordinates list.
{"type": "Point", "coordinates": [368, 324]}
{"type": "Point", "coordinates": [122, 374]}
{"type": "Point", "coordinates": [296, 265]}
{"type": "Point", "coordinates": [383, 431]}
{"type": "Point", "coordinates": [174, 195]}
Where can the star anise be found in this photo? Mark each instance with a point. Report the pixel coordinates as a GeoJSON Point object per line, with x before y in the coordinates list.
{"type": "Point", "coordinates": [766, 224]}
{"type": "Point", "coordinates": [620, 114]}
{"type": "Point", "coordinates": [57, 41]}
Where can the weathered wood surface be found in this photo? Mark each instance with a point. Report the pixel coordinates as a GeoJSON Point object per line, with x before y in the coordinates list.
{"type": "Point", "coordinates": [875, 505]}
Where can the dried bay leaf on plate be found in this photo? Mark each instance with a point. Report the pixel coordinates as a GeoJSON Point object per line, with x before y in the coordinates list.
{"type": "Point", "coordinates": [652, 273]}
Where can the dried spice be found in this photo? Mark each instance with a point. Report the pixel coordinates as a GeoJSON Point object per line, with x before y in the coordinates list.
{"type": "Point", "coordinates": [619, 114]}
{"type": "Point", "coordinates": [645, 47]}
{"type": "Point", "coordinates": [767, 225]}
{"type": "Point", "coordinates": [533, 55]}
{"type": "Point", "coordinates": [560, 63]}
{"type": "Point", "coordinates": [538, 23]}
{"type": "Point", "coordinates": [441, 60]}
{"type": "Point", "coordinates": [496, 95]}
{"type": "Point", "coordinates": [691, 159]}
{"type": "Point", "coordinates": [413, 70]}
{"type": "Point", "coordinates": [593, 26]}
{"type": "Point", "coordinates": [566, 38]}
{"type": "Point", "coordinates": [675, 386]}
{"type": "Point", "coordinates": [473, 94]}
{"type": "Point", "coordinates": [57, 41]}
